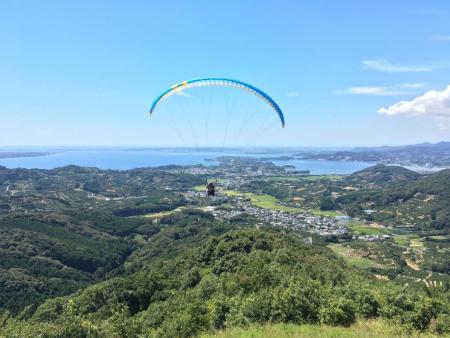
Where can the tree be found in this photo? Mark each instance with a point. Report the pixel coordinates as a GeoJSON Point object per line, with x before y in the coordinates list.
{"type": "Point", "coordinates": [327, 203]}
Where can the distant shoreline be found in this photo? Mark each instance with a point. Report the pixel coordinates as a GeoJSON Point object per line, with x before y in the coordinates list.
{"type": "Point", "coordinates": [18, 154]}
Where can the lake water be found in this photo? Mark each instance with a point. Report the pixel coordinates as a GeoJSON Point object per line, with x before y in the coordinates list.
{"type": "Point", "coordinates": [125, 159]}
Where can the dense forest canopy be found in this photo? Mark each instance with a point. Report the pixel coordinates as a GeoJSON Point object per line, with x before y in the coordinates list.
{"type": "Point", "coordinates": [236, 279]}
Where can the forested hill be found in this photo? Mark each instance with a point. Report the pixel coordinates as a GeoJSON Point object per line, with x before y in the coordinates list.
{"type": "Point", "coordinates": [392, 187]}
{"type": "Point", "coordinates": [383, 175]}
{"type": "Point", "coordinates": [237, 279]}
{"type": "Point", "coordinates": [61, 229]}
{"type": "Point", "coordinates": [405, 180]}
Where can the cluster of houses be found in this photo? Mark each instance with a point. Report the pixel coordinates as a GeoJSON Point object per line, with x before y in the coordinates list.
{"type": "Point", "coordinates": [319, 225]}
{"type": "Point", "coordinates": [371, 238]}
{"type": "Point", "coordinates": [232, 179]}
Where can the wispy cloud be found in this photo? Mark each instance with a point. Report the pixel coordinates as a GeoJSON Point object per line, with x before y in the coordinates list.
{"type": "Point", "coordinates": [434, 104]}
{"type": "Point", "coordinates": [445, 38]}
{"type": "Point", "coordinates": [382, 65]}
{"type": "Point", "coordinates": [293, 94]}
{"type": "Point", "coordinates": [398, 89]}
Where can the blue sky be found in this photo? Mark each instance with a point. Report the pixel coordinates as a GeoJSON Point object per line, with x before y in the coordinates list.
{"type": "Point", "coordinates": [85, 72]}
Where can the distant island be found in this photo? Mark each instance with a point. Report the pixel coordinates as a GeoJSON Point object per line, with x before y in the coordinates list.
{"type": "Point", "coordinates": [14, 154]}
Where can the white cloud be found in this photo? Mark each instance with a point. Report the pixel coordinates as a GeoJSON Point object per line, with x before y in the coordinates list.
{"type": "Point", "coordinates": [388, 67]}
{"type": "Point", "coordinates": [445, 38]}
{"type": "Point", "coordinates": [434, 104]}
{"type": "Point", "coordinates": [293, 94]}
{"type": "Point", "coordinates": [398, 89]}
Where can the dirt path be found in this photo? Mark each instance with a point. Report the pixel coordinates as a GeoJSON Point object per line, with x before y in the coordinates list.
{"type": "Point", "coordinates": [412, 265]}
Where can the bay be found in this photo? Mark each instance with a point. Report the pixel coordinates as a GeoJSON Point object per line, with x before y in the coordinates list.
{"type": "Point", "coordinates": [129, 159]}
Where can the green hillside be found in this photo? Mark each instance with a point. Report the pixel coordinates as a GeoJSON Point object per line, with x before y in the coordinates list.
{"type": "Point", "coordinates": [238, 279]}
{"type": "Point", "coordinates": [396, 191]}
{"type": "Point", "coordinates": [381, 174]}
{"type": "Point", "coordinates": [65, 229]}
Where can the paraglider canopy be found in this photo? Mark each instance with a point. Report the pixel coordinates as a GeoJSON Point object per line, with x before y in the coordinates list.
{"type": "Point", "coordinates": [219, 81]}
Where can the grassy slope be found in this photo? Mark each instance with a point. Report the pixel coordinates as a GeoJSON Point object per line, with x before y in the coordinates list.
{"type": "Point", "coordinates": [366, 329]}
{"type": "Point", "coordinates": [360, 262]}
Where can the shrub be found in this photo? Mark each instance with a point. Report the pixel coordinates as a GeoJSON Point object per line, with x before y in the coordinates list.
{"type": "Point", "coordinates": [339, 311]}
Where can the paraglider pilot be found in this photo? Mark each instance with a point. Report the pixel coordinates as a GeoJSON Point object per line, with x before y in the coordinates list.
{"type": "Point", "coordinates": [210, 189]}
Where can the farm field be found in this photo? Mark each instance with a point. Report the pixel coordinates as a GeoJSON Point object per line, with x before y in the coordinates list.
{"type": "Point", "coordinates": [350, 257]}
{"type": "Point", "coordinates": [327, 213]}
{"type": "Point", "coordinates": [161, 214]}
{"type": "Point", "coordinates": [262, 201]}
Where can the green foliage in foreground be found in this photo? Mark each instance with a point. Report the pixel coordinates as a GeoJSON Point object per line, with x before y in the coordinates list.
{"type": "Point", "coordinates": [241, 278]}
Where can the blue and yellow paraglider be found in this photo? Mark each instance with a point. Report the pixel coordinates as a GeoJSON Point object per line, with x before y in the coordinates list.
{"type": "Point", "coordinates": [219, 81]}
